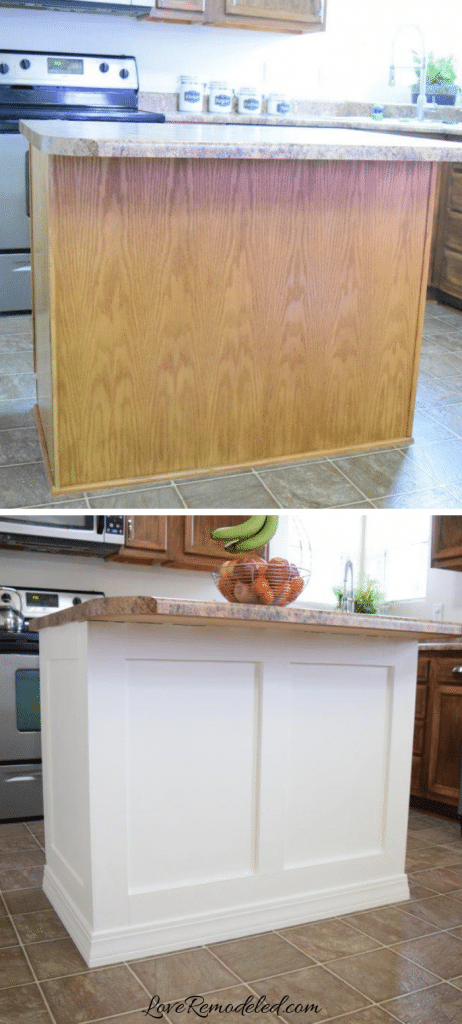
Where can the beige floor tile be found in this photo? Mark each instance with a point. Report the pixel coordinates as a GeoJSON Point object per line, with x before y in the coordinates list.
{"type": "Point", "coordinates": [390, 924]}
{"type": "Point", "coordinates": [260, 956]}
{"type": "Point", "coordinates": [25, 901]}
{"type": "Point", "coordinates": [442, 911]}
{"type": "Point", "coordinates": [381, 974]}
{"type": "Point", "coordinates": [39, 925]}
{"type": "Point", "coordinates": [442, 880]}
{"type": "Point", "coordinates": [371, 1015]}
{"type": "Point", "coordinates": [440, 953]}
{"type": "Point", "coordinates": [182, 974]}
{"type": "Point", "coordinates": [86, 997]}
{"type": "Point", "coordinates": [55, 958]}
{"type": "Point", "coordinates": [23, 1005]}
{"type": "Point", "coordinates": [22, 858]}
{"type": "Point", "coordinates": [21, 878]}
{"type": "Point", "coordinates": [8, 935]}
{"type": "Point", "coordinates": [311, 986]}
{"type": "Point", "coordinates": [439, 1005]}
{"type": "Point", "coordinates": [225, 1006]}
{"type": "Point", "coordinates": [14, 969]}
{"type": "Point", "coordinates": [327, 940]}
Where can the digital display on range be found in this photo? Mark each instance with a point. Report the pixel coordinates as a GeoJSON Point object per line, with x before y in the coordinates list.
{"type": "Point", "coordinates": [35, 600]}
{"type": "Point", "coordinates": [64, 66]}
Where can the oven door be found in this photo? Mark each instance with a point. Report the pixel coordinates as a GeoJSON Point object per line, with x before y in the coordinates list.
{"type": "Point", "coordinates": [21, 792]}
{"type": "Point", "coordinates": [19, 708]}
{"type": "Point", "coordinates": [14, 223]}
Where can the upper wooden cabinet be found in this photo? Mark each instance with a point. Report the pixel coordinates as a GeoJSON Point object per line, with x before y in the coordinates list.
{"type": "Point", "coordinates": [267, 15]}
{"type": "Point", "coordinates": [446, 542]}
{"type": "Point", "coordinates": [179, 542]}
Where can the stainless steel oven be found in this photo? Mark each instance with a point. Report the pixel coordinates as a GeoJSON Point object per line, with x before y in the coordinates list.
{"type": "Point", "coordinates": [20, 750]}
{"type": "Point", "coordinates": [49, 85]}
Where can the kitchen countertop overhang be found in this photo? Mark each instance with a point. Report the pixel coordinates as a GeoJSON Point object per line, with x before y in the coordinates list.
{"type": "Point", "coordinates": [158, 610]}
{"type": "Point", "coordinates": [232, 141]}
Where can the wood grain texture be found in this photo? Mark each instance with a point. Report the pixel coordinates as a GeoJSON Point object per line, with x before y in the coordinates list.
{"type": "Point", "coordinates": [39, 169]}
{"type": "Point", "coordinates": [219, 313]}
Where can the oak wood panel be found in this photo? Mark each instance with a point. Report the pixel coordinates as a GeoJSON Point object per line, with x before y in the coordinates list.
{"type": "Point", "coordinates": [446, 549]}
{"type": "Point", "coordinates": [190, 545]}
{"type": "Point", "coordinates": [421, 701]}
{"type": "Point", "coordinates": [39, 171]}
{"type": "Point", "coordinates": [416, 774]}
{"type": "Point", "coordinates": [145, 542]}
{"type": "Point", "coordinates": [181, 5]}
{"type": "Point", "coordinates": [193, 333]}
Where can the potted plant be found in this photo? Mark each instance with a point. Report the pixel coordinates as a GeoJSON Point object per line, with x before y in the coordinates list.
{"type": "Point", "coordinates": [440, 79]}
{"type": "Point", "coordinates": [368, 596]}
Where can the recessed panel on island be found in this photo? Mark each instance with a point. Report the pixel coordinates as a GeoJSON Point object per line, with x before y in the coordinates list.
{"type": "Point", "coordinates": [219, 296]}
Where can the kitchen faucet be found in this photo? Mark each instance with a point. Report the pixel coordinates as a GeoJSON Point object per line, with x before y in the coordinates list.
{"type": "Point", "coordinates": [348, 602]}
{"type": "Point", "coordinates": [423, 70]}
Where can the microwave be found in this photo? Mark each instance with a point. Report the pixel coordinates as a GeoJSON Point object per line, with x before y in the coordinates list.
{"type": "Point", "coordinates": [81, 535]}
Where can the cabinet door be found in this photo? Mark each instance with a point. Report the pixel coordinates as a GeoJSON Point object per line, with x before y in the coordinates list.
{"type": "Point", "coordinates": [446, 270]}
{"type": "Point", "coordinates": [177, 10]}
{"type": "Point", "coordinates": [145, 540]}
{"type": "Point", "coordinates": [190, 545]}
{"type": "Point", "coordinates": [446, 730]}
{"type": "Point", "coordinates": [181, 5]}
{"type": "Point", "coordinates": [268, 15]}
{"type": "Point", "coordinates": [421, 704]}
{"type": "Point", "coordinates": [280, 10]}
{"type": "Point", "coordinates": [446, 542]}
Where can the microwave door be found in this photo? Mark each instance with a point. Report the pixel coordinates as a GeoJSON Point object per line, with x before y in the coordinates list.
{"type": "Point", "coordinates": [62, 527]}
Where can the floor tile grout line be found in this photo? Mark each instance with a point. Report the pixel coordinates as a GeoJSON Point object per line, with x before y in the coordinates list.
{"type": "Point", "coordinates": [265, 485]}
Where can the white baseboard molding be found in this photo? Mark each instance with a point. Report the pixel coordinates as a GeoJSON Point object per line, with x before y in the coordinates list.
{"type": "Point", "coordinates": [101, 948]}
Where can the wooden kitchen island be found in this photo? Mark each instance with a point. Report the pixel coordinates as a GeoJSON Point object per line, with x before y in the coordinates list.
{"type": "Point", "coordinates": [214, 770]}
{"type": "Point", "coordinates": [213, 296]}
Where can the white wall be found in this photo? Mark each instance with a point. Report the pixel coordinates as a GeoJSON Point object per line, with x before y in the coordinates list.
{"type": "Point", "coordinates": [350, 61]}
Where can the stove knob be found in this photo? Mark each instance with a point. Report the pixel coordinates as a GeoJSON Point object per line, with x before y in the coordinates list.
{"type": "Point", "coordinates": [104, 67]}
{"type": "Point", "coordinates": [24, 64]}
{"type": "Point", "coordinates": [124, 73]}
{"type": "Point", "coordinates": [6, 598]}
{"type": "Point", "coordinates": [76, 600]}
{"type": "Point", "coordinates": [4, 69]}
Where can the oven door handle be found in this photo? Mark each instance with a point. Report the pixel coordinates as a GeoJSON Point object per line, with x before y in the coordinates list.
{"type": "Point", "coordinates": [26, 169]}
{"type": "Point", "coordinates": [23, 778]}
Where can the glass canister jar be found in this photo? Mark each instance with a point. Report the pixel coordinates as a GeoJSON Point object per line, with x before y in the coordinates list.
{"type": "Point", "coordinates": [278, 104]}
{"type": "Point", "coordinates": [220, 98]}
{"type": "Point", "coordinates": [191, 92]}
{"type": "Point", "coordinates": [248, 100]}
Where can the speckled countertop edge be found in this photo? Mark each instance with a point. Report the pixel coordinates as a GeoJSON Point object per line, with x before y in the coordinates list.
{"type": "Point", "coordinates": [232, 141]}
{"type": "Point", "coordinates": [152, 609]}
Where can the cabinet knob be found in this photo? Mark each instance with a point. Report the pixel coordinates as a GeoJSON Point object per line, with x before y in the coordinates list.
{"type": "Point", "coordinates": [457, 670]}
{"type": "Point", "coordinates": [129, 528]}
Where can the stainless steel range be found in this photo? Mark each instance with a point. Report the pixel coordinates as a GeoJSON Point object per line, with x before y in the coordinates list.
{"type": "Point", "coordinates": [20, 751]}
{"type": "Point", "coordinates": [41, 85]}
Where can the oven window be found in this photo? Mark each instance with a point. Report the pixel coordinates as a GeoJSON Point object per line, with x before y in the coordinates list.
{"type": "Point", "coordinates": [27, 700]}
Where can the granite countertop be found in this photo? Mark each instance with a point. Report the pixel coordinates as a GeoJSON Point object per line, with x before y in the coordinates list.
{"type": "Point", "coordinates": [448, 645]}
{"type": "Point", "coordinates": [232, 141]}
{"type": "Point", "coordinates": [158, 610]}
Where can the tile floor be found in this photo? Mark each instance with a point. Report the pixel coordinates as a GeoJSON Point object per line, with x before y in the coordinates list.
{"type": "Point", "coordinates": [397, 963]}
{"type": "Point", "coordinates": [427, 474]}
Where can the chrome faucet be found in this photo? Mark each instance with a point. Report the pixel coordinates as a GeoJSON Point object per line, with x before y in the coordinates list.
{"type": "Point", "coordinates": [421, 99]}
{"type": "Point", "coordinates": [348, 599]}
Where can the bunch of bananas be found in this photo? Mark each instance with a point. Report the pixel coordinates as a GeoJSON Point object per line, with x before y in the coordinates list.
{"type": "Point", "coordinates": [248, 536]}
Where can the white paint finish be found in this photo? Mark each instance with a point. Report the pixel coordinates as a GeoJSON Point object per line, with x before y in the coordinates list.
{"type": "Point", "coordinates": [338, 745]}
{"type": "Point", "coordinates": [192, 759]}
{"type": "Point", "coordinates": [197, 756]}
{"type": "Point", "coordinates": [64, 714]}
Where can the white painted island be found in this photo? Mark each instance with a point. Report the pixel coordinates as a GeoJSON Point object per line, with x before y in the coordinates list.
{"type": "Point", "coordinates": [215, 770]}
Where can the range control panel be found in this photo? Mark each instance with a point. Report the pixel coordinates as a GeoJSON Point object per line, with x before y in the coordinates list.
{"type": "Point", "coordinates": [33, 602]}
{"type": "Point", "coordinates": [73, 70]}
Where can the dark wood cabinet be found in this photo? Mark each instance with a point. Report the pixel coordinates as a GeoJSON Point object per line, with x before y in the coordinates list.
{"type": "Point", "coordinates": [437, 749]}
{"type": "Point", "coordinates": [446, 262]}
{"type": "Point", "coordinates": [446, 542]}
{"type": "Point", "coordinates": [179, 542]}
{"type": "Point", "coordinates": [266, 15]}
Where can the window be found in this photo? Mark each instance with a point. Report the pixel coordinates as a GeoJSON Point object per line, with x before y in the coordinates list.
{"type": "Point", "coordinates": [391, 547]}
